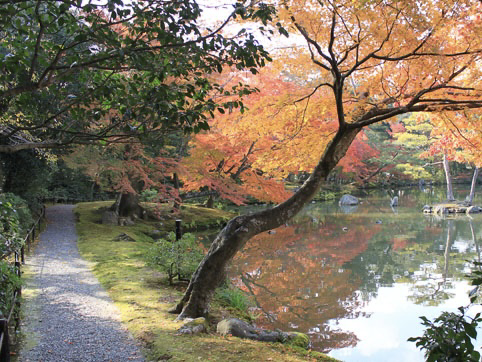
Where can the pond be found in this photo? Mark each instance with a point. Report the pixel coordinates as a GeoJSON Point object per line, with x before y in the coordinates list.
{"type": "Point", "coordinates": [357, 279]}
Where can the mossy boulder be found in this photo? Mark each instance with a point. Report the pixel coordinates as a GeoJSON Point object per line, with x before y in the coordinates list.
{"type": "Point", "coordinates": [298, 339]}
{"type": "Point", "coordinates": [194, 326]}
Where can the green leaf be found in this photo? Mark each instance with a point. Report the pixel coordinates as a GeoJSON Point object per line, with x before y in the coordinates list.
{"type": "Point", "coordinates": [470, 330]}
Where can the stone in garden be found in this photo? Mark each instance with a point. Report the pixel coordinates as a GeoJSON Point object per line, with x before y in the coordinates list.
{"type": "Point", "coordinates": [110, 217]}
{"type": "Point", "coordinates": [123, 237]}
{"type": "Point", "coordinates": [473, 210]}
{"type": "Point", "coordinates": [298, 339]}
{"type": "Point", "coordinates": [242, 329]}
{"type": "Point", "coordinates": [394, 201]}
{"type": "Point", "coordinates": [348, 200]}
{"type": "Point", "coordinates": [194, 326]}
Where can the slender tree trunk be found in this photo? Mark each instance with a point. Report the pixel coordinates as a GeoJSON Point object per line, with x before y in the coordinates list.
{"type": "Point", "coordinates": [177, 204]}
{"type": "Point", "coordinates": [210, 202]}
{"type": "Point", "coordinates": [115, 206]}
{"type": "Point", "coordinates": [211, 271]}
{"type": "Point", "coordinates": [448, 179]}
{"type": "Point", "coordinates": [470, 199]}
{"type": "Point", "coordinates": [92, 190]}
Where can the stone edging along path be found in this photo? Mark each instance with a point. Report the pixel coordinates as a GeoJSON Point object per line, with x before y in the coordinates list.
{"type": "Point", "coordinates": [68, 316]}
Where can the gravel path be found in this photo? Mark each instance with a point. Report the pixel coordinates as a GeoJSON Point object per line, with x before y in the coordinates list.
{"type": "Point", "coordinates": [69, 317]}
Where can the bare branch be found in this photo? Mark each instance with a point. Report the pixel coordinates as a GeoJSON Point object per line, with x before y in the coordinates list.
{"type": "Point", "coordinates": [377, 115]}
{"type": "Point", "coordinates": [314, 91]}
{"type": "Point", "coordinates": [37, 43]}
{"type": "Point", "coordinates": [312, 42]}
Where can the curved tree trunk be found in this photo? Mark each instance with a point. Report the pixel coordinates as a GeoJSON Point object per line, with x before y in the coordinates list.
{"type": "Point", "coordinates": [211, 271]}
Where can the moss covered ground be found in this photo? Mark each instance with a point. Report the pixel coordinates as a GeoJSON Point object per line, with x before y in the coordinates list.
{"type": "Point", "coordinates": [144, 297]}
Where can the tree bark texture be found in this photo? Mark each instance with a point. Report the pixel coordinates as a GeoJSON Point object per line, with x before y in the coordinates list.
{"type": "Point", "coordinates": [473, 185]}
{"type": "Point", "coordinates": [129, 206]}
{"type": "Point", "coordinates": [211, 271]}
{"type": "Point", "coordinates": [177, 204]}
{"type": "Point", "coordinates": [448, 179]}
{"type": "Point", "coordinates": [210, 202]}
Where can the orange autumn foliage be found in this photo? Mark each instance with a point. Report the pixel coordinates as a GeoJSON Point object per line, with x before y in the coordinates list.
{"type": "Point", "coordinates": [274, 137]}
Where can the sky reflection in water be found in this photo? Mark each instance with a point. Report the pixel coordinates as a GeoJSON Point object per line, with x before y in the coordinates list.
{"type": "Point", "coordinates": [383, 336]}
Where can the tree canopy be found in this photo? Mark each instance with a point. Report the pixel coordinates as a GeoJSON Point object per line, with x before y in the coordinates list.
{"type": "Point", "coordinates": [116, 71]}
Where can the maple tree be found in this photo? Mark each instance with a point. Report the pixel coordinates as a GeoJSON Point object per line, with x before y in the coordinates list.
{"type": "Point", "coordinates": [128, 170]}
{"type": "Point", "coordinates": [253, 152]}
{"type": "Point", "coordinates": [377, 60]}
{"type": "Point", "coordinates": [223, 164]}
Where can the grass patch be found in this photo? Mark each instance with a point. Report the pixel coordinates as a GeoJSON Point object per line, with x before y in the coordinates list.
{"type": "Point", "coordinates": [233, 297]}
{"type": "Point", "coordinates": [237, 302]}
{"type": "Point", "coordinates": [143, 297]}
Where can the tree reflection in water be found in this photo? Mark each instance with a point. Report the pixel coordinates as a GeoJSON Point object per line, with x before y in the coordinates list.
{"type": "Point", "coordinates": [328, 265]}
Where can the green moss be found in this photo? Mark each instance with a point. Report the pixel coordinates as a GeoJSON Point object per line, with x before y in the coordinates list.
{"type": "Point", "coordinates": [194, 217]}
{"type": "Point", "coordinates": [143, 296]}
{"type": "Point", "coordinates": [298, 339]}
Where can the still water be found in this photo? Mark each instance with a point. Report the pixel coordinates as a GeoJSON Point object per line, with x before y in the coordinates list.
{"type": "Point", "coordinates": [357, 279]}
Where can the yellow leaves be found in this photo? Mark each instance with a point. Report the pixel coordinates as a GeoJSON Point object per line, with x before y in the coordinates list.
{"type": "Point", "coordinates": [275, 136]}
{"type": "Point", "coordinates": [16, 119]}
{"type": "Point", "coordinates": [388, 29]}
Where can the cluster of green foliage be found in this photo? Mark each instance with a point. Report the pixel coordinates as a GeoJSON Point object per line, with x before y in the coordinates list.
{"type": "Point", "coordinates": [148, 61]}
{"type": "Point", "coordinates": [36, 179]}
{"type": "Point", "coordinates": [15, 219]}
{"type": "Point", "coordinates": [449, 336]}
{"type": "Point", "coordinates": [176, 257]}
{"type": "Point", "coordinates": [149, 195]}
{"type": "Point", "coordinates": [9, 282]}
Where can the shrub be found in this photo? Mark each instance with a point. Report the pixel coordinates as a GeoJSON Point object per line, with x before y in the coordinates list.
{"type": "Point", "coordinates": [9, 282]}
{"type": "Point", "coordinates": [176, 258]}
{"type": "Point", "coordinates": [449, 336]}
{"type": "Point", "coordinates": [149, 195]}
{"type": "Point", "coordinates": [15, 220]}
